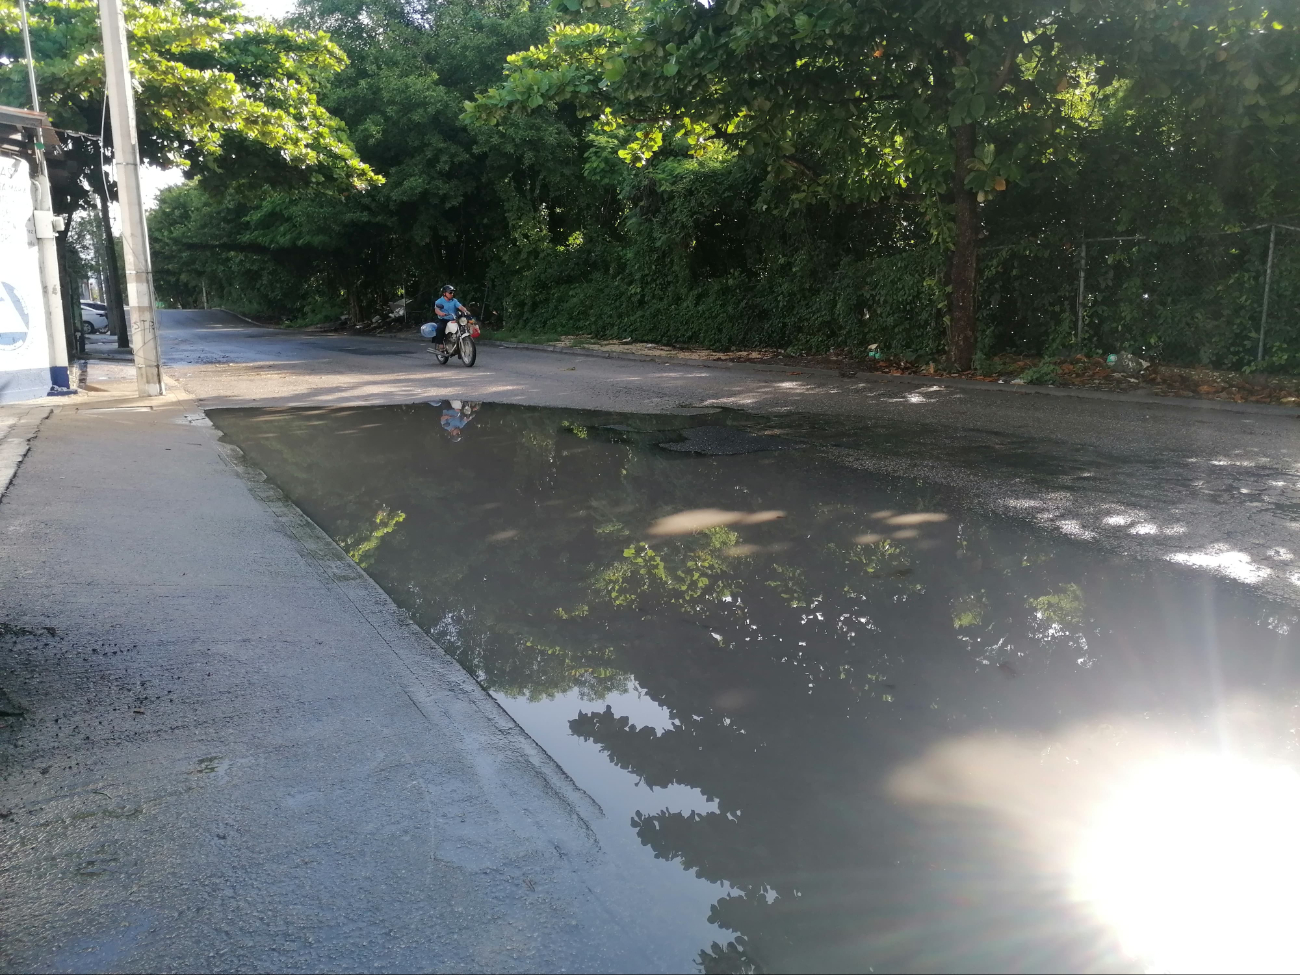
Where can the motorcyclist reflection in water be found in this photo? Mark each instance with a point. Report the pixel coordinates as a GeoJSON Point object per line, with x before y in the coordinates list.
{"type": "Point", "coordinates": [455, 415]}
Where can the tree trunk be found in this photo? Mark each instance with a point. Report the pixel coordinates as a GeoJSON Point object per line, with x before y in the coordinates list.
{"type": "Point", "coordinates": [71, 291]}
{"type": "Point", "coordinates": [354, 305]}
{"type": "Point", "coordinates": [113, 280]}
{"type": "Point", "coordinates": [962, 265]}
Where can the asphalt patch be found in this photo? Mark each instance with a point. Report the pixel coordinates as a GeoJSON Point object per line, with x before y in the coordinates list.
{"type": "Point", "coordinates": [720, 441]}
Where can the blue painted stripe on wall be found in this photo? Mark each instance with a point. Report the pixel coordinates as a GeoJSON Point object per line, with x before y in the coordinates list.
{"type": "Point", "coordinates": [19, 384]}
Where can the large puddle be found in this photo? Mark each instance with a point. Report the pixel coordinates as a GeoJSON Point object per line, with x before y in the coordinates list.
{"type": "Point", "coordinates": [835, 721]}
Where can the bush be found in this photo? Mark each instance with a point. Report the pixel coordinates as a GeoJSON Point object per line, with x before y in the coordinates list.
{"type": "Point", "coordinates": [1043, 374]}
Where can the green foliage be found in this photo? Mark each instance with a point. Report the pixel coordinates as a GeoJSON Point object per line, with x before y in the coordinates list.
{"type": "Point", "coordinates": [705, 264]}
{"type": "Point", "coordinates": [449, 193]}
{"type": "Point", "coordinates": [216, 90]}
{"type": "Point", "coordinates": [1043, 374]}
{"type": "Point", "coordinates": [361, 546]}
{"type": "Point", "coordinates": [935, 102]}
{"type": "Point", "coordinates": [625, 178]}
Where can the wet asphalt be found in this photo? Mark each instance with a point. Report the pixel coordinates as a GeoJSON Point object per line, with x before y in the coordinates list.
{"type": "Point", "coordinates": [871, 746]}
{"type": "Point", "coordinates": [223, 748]}
{"type": "Point", "coordinates": [1209, 485]}
{"type": "Point", "coordinates": [754, 662]}
{"type": "Point", "coordinates": [844, 737]}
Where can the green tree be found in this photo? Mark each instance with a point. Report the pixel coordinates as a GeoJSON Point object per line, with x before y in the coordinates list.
{"type": "Point", "coordinates": [951, 101]}
{"type": "Point", "coordinates": [452, 197]}
{"type": "Point", "coordinates": [222, 93]}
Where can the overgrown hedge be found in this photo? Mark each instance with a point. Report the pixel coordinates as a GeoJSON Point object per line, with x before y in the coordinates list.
{"type": "Point", "coordinates": [543, 217]}
{"type": "Point", "coordinates": [699, 262]}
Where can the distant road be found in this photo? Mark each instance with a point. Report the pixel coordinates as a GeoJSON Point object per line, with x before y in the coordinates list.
{"type": "Point", "coordinates": [1209, 485]}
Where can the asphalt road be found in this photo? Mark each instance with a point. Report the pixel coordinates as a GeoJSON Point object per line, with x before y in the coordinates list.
{"type": "Point", "coordinates": [223, 748]}
{"type": "Point", "coordinates": [1208, 485]}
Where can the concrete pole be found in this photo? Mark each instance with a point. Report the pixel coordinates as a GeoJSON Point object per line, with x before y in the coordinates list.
{"type": "Point", "coordinates": [47, 255]}
{"type": "Point", "coordinates": [135, 232]}
{"type": "Point", "coordinates": [43, 227]}
{"type": "Point", "coordinates": [31, 65]}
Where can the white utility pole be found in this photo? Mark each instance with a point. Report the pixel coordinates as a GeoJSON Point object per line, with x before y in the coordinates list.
{"type": "Point", "coordinates": [44, 225]}
{"type": "Point", "coordinates": [135, 233]}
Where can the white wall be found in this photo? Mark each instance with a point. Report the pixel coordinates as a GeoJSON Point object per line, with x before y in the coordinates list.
{"type": "Point", "coordinates": [24, 350]}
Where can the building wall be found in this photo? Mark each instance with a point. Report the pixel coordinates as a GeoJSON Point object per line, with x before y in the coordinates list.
{"type": "Point", "coordinates": [24, 348]}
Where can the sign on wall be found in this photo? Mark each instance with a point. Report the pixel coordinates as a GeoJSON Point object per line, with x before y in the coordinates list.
{"type": "Point", "coordinates": [24, 348]}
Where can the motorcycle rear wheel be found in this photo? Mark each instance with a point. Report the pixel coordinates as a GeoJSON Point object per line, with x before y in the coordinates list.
{"type": "Point", "coordinates": [467, 351]}
{"type": "Point", "coordinates": [442, 357]}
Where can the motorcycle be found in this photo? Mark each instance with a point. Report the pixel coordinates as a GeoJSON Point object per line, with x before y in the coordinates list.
{"type": "Point", "coordinates": [458, 340]}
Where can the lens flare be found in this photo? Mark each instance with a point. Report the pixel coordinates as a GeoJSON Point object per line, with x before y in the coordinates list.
{"type": "Point", "coordinates": [1194, 861]}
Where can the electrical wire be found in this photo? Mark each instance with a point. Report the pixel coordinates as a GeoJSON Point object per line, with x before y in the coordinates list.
{"type": "Point", "coordinates": [103, 121]}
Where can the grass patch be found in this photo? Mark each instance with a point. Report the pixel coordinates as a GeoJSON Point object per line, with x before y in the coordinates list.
{"type": "Point", "coordinates": [1044, 374]}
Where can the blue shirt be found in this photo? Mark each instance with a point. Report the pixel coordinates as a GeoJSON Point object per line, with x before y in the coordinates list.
{"type": "Point", "coordinates": [447, 307]}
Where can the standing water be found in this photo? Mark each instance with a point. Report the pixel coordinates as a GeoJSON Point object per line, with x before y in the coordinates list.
{"type": "Point", "coordinates": [835, 721]}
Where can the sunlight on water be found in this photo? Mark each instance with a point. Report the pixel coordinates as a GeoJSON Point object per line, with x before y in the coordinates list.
{"type": "Point", "coordinates": [1193, 860]}
{"type": "Point", "coordinates": [837, 721]}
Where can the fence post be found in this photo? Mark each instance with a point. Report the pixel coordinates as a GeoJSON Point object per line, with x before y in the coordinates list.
{"type": "Point", "coordinates": [1268, 281]}
{"type": "Point", "coordinates": [1083, 270]}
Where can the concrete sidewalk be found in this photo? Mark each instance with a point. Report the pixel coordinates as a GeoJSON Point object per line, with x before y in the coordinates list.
{"type": "Point", "coordinates": [222, 747]}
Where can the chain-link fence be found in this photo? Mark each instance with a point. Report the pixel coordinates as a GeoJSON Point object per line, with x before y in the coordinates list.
{"type": "Point", "coordinates": [1228, 299]}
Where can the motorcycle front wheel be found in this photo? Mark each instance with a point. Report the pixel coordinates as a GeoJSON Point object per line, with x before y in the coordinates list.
{"type": "Point", "coordinates": [467, 351]}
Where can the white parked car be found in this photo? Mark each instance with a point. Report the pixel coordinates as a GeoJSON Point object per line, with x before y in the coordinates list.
{"type": "Point", "coordinates": [94, 317]}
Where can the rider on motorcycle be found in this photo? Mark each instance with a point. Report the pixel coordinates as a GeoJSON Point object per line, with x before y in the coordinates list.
{"type": "Point", "coordinates": [445, 310]}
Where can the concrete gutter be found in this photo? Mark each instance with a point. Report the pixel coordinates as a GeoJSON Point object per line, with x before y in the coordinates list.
{"type": "Point", "coordinates": [234, 752]}
{"type": "Point", "coordinates": [18, 426]}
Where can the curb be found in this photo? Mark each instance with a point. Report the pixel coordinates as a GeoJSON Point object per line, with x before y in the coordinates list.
{"type": "Point", "coordinates": [1146, 399]}
{"type": "Point", "coordinates": [116, 355]}
{"type": "Point", "coordinates": [432, 672]}
{"type": "Point", "coordinates": [436, 682]}
{"type": "Point", "coordinates": [242, 318]}
{"type": "Point", "coordinates": [16, 439]}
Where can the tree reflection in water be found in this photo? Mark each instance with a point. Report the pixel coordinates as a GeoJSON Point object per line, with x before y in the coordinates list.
{"type": "Point", "coordinates": [801, 658]}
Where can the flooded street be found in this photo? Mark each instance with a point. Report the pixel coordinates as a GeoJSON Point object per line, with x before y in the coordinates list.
{"type": "Point", "coordinates": [835, 719]}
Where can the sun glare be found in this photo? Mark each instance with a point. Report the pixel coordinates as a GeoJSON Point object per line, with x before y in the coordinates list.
{"type": "Point", "coordinates": [1194, 861]}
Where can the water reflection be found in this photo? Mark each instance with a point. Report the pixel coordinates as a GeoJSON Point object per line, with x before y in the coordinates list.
{"type": "Point", "coordinates": [456, 416]}
{"type": "Point", "coordinates": [803, 633]}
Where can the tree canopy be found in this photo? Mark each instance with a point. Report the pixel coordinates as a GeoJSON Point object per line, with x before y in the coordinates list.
{"type": "Point", "coordinates": [951, 102]}
{"type": "Point", "coordinates": [224, 94]}
{"type": "Point", "coordinates": [808, 175]}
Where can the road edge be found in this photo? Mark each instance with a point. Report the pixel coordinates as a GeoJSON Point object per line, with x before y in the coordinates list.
{"type": "Point", "coordinates": [1105, 395]}
{"type": "Point", "coordinates": [16, 440]}
{"type": "Point", "coordinates": [1145, 399]}
{"type": "Point", "coordinates": [433, 671]}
